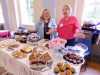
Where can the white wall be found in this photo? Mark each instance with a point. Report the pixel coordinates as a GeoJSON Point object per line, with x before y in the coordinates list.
{"type": "Point", "coordinates": [61, 3]}
{"type": "Point", "coordinates": [56, 10]}
{"type": "Point", "coordinates": [79, 9]}
{"type": "Point", "coordinates": [9, 14]}
{"type": "Point", "coordinates": [51, 5]}
{"type": "Point", "coordinates": [39, 5]}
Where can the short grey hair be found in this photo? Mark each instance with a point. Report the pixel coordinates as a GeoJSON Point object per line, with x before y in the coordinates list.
{"type": "Point", "coordinates": [69, 7]}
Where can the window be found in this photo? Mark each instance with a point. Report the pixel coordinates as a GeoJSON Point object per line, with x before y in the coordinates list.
{"type": "Point", "coordinates": [91, 11]}
{"type": "Point", "coordinates": [26, 12]}
{"type": "Point", "coordinates": [1, 15]}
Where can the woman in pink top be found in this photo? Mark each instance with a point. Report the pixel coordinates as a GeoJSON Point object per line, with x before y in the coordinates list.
{"type": "Point", "coordinates": [68, 26]}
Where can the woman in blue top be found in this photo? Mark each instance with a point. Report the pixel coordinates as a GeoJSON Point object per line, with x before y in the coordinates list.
{"type": "Point", "coordinates": [46, 25]}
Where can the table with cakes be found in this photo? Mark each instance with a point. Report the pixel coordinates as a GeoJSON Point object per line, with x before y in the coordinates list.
{"type": "Point", "coordinates": [39, 57]}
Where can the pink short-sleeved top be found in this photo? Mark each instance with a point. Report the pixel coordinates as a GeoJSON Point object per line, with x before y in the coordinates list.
{"type": "Point", "coordinates": [67, 27]}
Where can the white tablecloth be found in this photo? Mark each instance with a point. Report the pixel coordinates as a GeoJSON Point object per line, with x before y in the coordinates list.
{"type": "Point", "coordinates": [22, 67]}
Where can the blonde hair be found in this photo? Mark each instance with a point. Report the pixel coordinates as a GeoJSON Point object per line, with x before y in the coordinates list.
{"type": "Point", "coordinates": [42, 17]}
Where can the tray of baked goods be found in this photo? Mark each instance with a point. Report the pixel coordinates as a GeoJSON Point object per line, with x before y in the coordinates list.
{"type": "Point", "coordinates": [22, 52]}
{"type": "Point", "coordinates": [27, 49]}
{"type": "Point", "coordinates": [44, 43]}
{"type": "Point", "coordinates": [18, 54]}
{"type": "Point", "coordinates": [73, 58]}
{"type": "Point", "coordinates": [57, 43]}
{"type": "Point", "coordinates": [13, 47]}
{"type": "Point", "coordinates": [9, 43]}
{"type": "Point", "coordinates": [40, 60]}
{"type": "Point", "coordinates": [54, 43]}
{"type": "Point", "coordinates": [63, 68]}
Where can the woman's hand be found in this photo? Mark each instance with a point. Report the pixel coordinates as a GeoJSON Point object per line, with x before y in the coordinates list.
{"type": "Point", "coordinates": [51, 31]}
{"type": "Point", "coordinates": [79, 35]}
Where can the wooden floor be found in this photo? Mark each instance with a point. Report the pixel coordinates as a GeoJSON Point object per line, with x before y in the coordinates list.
{"type": "Point", "coordinates": [90, 71]}
{"type": "Point", "coordinates": [93, 69]}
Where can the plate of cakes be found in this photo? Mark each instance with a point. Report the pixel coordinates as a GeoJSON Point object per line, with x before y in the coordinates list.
{"type": "Point", "coordinates": [73, 58]}
{"type": "Point", "coordinates": [63, 68]}
{"type": "Point", "coordinates": [19, 54]}
{"type": "Point", "coordinates": [40, 60]}
{"type": "Point", "coordinates": [27, 49]}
